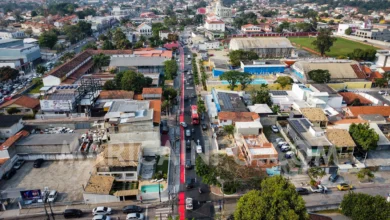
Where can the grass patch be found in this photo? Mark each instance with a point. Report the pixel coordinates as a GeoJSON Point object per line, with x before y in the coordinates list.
{"type": "Point", "coordinates": [274, 86]}
{"type": "Point", "coordinates": [162, 167]}
{"type": "Point", "coordinates": [340, 48]}
{"type": "Point", "coordinates": [37, 86]}
{"type": "Point", "coordinates": [119, 185]}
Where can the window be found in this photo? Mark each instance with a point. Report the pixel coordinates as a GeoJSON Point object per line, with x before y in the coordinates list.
{"type": "Point", "coordinates": [129, 174]}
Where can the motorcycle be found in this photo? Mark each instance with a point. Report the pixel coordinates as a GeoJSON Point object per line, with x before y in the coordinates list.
{"type": "Point", "coordinates": [200, 191]}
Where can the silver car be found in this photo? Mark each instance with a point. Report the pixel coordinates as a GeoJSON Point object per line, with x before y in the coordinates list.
{"type": "Point", "coordinates": [188, 133]}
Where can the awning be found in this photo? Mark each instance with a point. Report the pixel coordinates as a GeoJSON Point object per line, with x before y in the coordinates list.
{"type": "Point", "coordinates": [130, 192]}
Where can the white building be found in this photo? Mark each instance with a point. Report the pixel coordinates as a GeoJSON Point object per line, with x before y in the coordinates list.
{"type": "Point", "coordinates": [215, 25]}
{"type": "Point", "coordinates": [10, 125]}
{"type": "Point", "coordinates": [342, 27]}
{"type": "Point", "coordinates": [11, 35]}
{"type": "Point", "coordinates": [144, 29]}
{"type": "Point", "coordinates": [383, 58]}
{"type": "Point", "coordinates": [221, 11]}
{"type": "Point", "coordinates": [208, 45]}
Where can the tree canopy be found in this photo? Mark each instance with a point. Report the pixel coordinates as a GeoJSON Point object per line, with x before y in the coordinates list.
{"type": "Point", "coordinates": [277, 199]}
{"type": "Point", "coordinates": [170, 93]}
{"type": "Point", "coordinates": [89, 45]}
{"type": "Point", "coordinates": [229, 129]}
{"type": "Point", "coordinates": [319, 76]}
{"type": "Point", "coordinates": [360, 55]}
{"type": "Point", "coordinates": [261, 96]}
{"type": "Point", "coordinates": [236, 56]}
{"type": "Point", "coordinates": [360, 206]}
{"type": "Point", "coordinates": [128, 80]}
{"type": "Point", "coordinates": [7, 73]}
{"type": "Point", "coordinates": [365, 137]}
{"type": "Point", "coordinates": [324, 41]}
{"type": "Point", "coordinates": [170, 69]}
{"type": "Point", "coordinates": [231, 77]}
{"type": "Point", "coordinates": [245, 18]}
{"type": "Point", "coordinates": [284, 81]}
{"type": "Point", "coordinates": [48, 39]}
{"type": "Point", "coordinates": [41, 69]}
{"type": "Point", "coordinates": [348, 31]}
{"type": "Point", "coordinates": [245, 79]}
{"type": "Point", "coordinates": [101, 60]}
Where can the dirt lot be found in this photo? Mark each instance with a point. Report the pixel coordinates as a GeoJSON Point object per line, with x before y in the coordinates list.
{"type": "Point", "coordinates": [67, 177]}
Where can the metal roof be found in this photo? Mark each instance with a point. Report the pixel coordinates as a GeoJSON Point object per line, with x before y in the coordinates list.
{"type": "Point", "coordinates": [264, 42]}
{"type": "Point", "coordinates": [137, 61]}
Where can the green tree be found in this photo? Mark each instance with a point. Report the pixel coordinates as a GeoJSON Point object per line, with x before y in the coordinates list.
{"type": "Point", "coordinates": [232, 77]}
{"type": "Point", "coordinates": [48, 39]}
{"type": "Point", "coordinates": [133, 81]}
{"type": "Point", "coordinates": [207, 172]}
{"type": "Point", "coordinates": [283, 26]}
{"type": "Point", "coordinates": [89, 45]}
{"type": "Point", "coordinates": [7, 73]}
{"type": "Point", "coordinates": [319, 76]}
{"type": "Point", "coordinates": [363, 173]}
{"type": "Point", "coordinates": [360, 206]}
{"type": "Point", "coordinates": [41, 69]}
{"type": "Point", "coordinates": [34, 13]}
{"type": "Point", "coordinates": [13, 110]}
{"type": "Point", "coordinates": [284, 81]}
{"type": "Point", "coordinates": [107, 45]}
{"type": "Point", "coordinates": [229, 129]}
{"type": "Point", "coordinates": [261, 96]}
{"type": "Point", "coordinates": [365, 137]}
{"type": "Point", "coordinates": [316, 173]}
{"type": "Point", "coordinates": [118, 79]}
{"type": "Point", "coordinates": [85, 28]}
{"type": "Point", "coordinates": [201, 106]}
{"type": "Point", "coordinates": [170, 93]}
{"type": "Point", "coordinates": [277, 199]}
{"type": "Point", "coordinates": [100, 60]}
{"type": "Point", "coordinates": [348, 31]}
{"type": "Point", "coordinates": [380, 82]}
{"type": "Point", "coordinates": [245, 79]}
{"type": "Point", "coordinates": [170, 69]}
{"type": "Point", "coordinates": [275, 109]}
{"type": "Point", "coordinates": [236, 56]}
{"type": "Point", "coordinates": [324, 41]}
{"type": "Point", "coordinates": [356, 102]}
{"type": "Point", "coordinates": [123, 44]}
{"type": "Point", "coordinates": [103, 37]}
{"type": "Point", "coordinates": [138, 44]}
{"type": "Point", "coordinates": [118, 36]}
{"type": "Point", "coordinates": [67, 56]}
{"type": "Point", "coordinates": [110, 85]}
{"type": "Point", "coordinates": [73, 33]}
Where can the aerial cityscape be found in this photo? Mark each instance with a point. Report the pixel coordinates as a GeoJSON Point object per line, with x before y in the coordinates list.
{"type": "Point", "coordinates": [197, 109]}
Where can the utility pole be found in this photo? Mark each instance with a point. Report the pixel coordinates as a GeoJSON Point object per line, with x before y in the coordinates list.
{"type": "Point", "coordinates": [47, 214]}
{"type": "Point", "coordinates": [51, 210]}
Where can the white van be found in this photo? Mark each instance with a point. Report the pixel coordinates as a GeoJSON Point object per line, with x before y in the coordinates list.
{"type": "Point", "coordinates": [199, 149]}
{"type": "Point", "coordinates": [52, 196]}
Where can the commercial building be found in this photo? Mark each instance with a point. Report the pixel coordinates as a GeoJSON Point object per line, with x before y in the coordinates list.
{"type": "Point", "coordinates": [340, 70]}
{"type": "Point", "coordinates": [16, 54]}
{"type": "Point", "coordinates": [383, 58]}
{"type": "Point", "coordinates": [263, 67]}
{"type": "Point", "coordinates": [266, 47]}
{"type": "Point", "coordinates": [24, 104]}
{"type": "Point", "coordinates": [11, 35]}
{"type": "Point", "coordinates": [342, 27]}
{"type": "Point", "coordinates": [144, 29]}
{"type": "Point", "coordinates": [255, 29]}
{"type": "Point", "coordinates": [43, 144]}
{"type": "Point", "coordinates": [120, 161]}
{"type": "Point", "coordinates": [374, 34]}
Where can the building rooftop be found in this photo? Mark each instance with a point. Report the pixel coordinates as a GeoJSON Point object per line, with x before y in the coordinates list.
{"type": "Point", "coordinates": [156, 106]}
{"type": "Point", "coordinates": [302, 127]}
{"type": "Point", "coordinates": [264, 42]}
{"type": "Point", "coordinates": [99, 185]}
{"type": "Point", "coordinates": [355, 111]}
{"type": "Point", "coordinates": [372, 118]}
{"type": "Point", "coordinates": [116, 94]}
{"type": "Point", "coordinates": [260, 109]}
{"type": "Point", "coordinates": [263, 62]}
{"type": "Point", "coordinates": [65, 68]}
{"type": "Point", "coordinates": [9, 120]}
{"type": "Point", "coordinates": [119, 155]}
{"type": "Point", "coordinates": [314, 114]}
{"type": "Point", "coordinates": [137, 61]}
{"type": "Point", "coordinates": [48, 139]}
{"type": "Point", "coordinates": [238, 116]}
{"type": "Point", "coordinates": [152, 91]}
{"type": "Point", "coordinates": [323, 88]}
{"type": "Point", "coordinates": [349, 98]}
{"type": "Point", "coordinates": [12, 140]}
{"type": "Point", "coordinates": [340, 138]}
{"type": "Point", "coordinates": [231, 102]}
{"type": "Point", "coordinates": [23, 101]}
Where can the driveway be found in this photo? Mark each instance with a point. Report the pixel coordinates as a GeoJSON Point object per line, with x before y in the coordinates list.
{"type": "Point", "coordinates": [67, 177]}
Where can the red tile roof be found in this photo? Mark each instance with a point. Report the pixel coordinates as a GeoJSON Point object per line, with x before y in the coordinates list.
{"type": "Point", "coordinates": [11, 140]}
{"type": "Point", "coordinates": [201, 11]}
{"type": "Point", "coordinates": [116, 94]}
{"type": "Point", "coordinates": [375, 75]}
{"type": "Point", "coordinates": [355, 111]}
{"type": "Point", "coordinates": [238, 116]}
{"type": "Point", "coordinates": [23, 101]}
{"type": "Point", "coordinates": [156, 106]}
{"type": "Point", "coordinates": [359, 72]}
{"type": "Point", "coordinates": [349, 97]}
{"type": "Point", "coordinates": [215, 22]}
{"type": "Point", "coordinates": [152, 91]}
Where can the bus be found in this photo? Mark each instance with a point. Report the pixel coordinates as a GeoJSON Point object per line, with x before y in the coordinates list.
{"type": "Point", "coordinates": [194, 115]}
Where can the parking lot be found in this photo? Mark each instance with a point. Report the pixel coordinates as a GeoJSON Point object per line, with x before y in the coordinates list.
{"type": "Point", "coordinates": [67, 177]}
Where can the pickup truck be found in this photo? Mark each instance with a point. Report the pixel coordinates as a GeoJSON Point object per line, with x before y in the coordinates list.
{"type": "Point", "coordinates": [318, 189]}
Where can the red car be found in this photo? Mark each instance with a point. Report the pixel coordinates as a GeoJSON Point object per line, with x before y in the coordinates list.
{"type": "Point", "coordinates": [210, 55]}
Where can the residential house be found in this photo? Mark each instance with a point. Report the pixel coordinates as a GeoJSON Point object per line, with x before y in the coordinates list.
{"type": "Point", "coordinates": [37, 28]}
{"type": "Point", "coordinates": [144, 29]}
{"type": "Point", "coordinates": [342, 142]}
{"type": "Point", "coordinates": [256, 29]}
{"type": "Point", "coordinates": [351, 98]}
{"type": "Point", "coordinates": [68, 20]}
{"type": "Point", "coordinates": [120, 161]}
{"type": "Point", "coordinates": [263, 110]}
{"type": "Point", "coordinates": [24, 104]}
{"type": "Point", "coordinates": [230, 118]}
{"type": "Point", "coordinates": [355, 111]}
{"type": "Point", "coordinates": [316, 116]}
{"type": "Point", "coordinates": [152, 93]}
{"type": "Point", "coordinates": [8, 149]}
{"type": "Point", "coordinates": [10, 125]}
{"type": "Point", "coordinates": [215, 25]}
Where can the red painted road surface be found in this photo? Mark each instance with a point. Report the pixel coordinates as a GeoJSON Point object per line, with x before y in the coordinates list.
{"type": "Point", "coordinates": [182, 196]}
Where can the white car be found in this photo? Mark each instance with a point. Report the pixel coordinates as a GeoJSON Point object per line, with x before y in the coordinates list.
{"type": "Point", "coordinates": [52, 196]}
{"type": "Point", "coordinates": [281, 143]}
{"type": "Point", "coordinates": [101, 217]}
{"type": "Point", "coordinates": [289, 155]}
{"type": "Point", "coordinates": [188, 133]}
{"type": "Point", "coordinates": [199, 149]}
{"type": "Point", "coordinates": [277, 140]}
{"type": "Point", "coordinates": [183, 124]}
{"type": "Point", "coordinates": [135, 216]}
{"type": "Point", "coordinates": [189, 205]}
{"type": "Point", "coordinates": [319, 189]}
{"type": "Point", "coordinates": [285, 148]}
{"type": "Point", "coordinates": [381, 92]}
{"type": "Point", "coordinates": [102, 210]}
{"type": "Point", "coordinates": [275, 128]}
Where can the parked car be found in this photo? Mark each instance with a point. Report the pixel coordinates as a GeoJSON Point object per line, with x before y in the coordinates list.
{"type": "Point", "coordinates": [190, 183]}
{"type": "Point", "coordinates": [183, 124]}
{"type": "Point", "coordinates": [333, 177]}
{"type": "Point", "coordinates": [52, 196]}
{"type": "Point", "coordinates": [302, 191]}
{"type": "Point", "coordinates": [381, 92]}
{"type": "Point", "coordinates": [189, 205]}
{"type": "Point", "coordinates": [135, 216]}
{"type": "Point", "coordinates": [289, 155]}
{"type": "Point", "coordinates": [285, 148]}
{"type": "Point", "coordinates": [188, 164]}
{"type": "Point", "coordinates": [72, 213]}
{"type": "Point", "coordinates": [277, 140]}
{"type": "Point", "coordinates": [275, 129]}
{"type": "Point", "coordinates": [101, 217]}
{"type": "Point", "coordinates": [204, 127]}
{"type": "Point", "coordinates": [102, 210]}
{"type": "Point", "coordinates": [131, 209]}
{"type": "Point", "coordinates": [282, 143]}
{"type": "Point", "coordinates": [344, 186]}
{"type": "Point", "coordinates": [188, 133]}
{"type": "Point", "coordinates": [199, 149]}
{"type": "Point", "coordinates": [319, 189]}
{"type": "Point", "coordinates": [9, 174]}
{"type": "Point", "coordinates": [38, 163]}
{"type": "Point", "coordinates": [18, 164]}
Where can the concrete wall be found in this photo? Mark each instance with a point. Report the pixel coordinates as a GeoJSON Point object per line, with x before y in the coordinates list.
{"type": "Point", "coordinates": [95, 198]}
{"type": "Point", "coordinates": [64, 148]}
{"type": "Point", "coordinates": [351, 85]}
{"type": "Point", "coordinates": [74, 156]}
{"type": "Point", "coordinates": [8, 165]}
